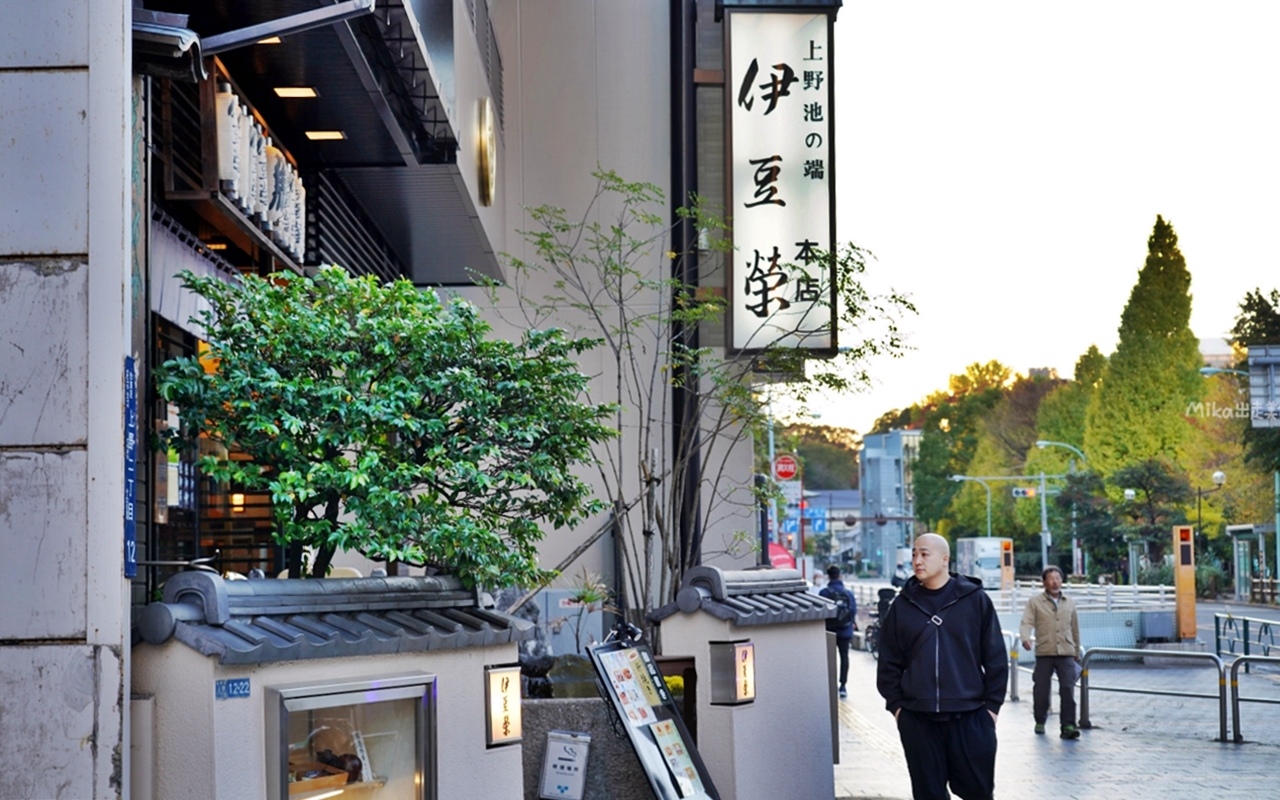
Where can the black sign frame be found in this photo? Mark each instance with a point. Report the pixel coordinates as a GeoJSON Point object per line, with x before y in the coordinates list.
{"type": "Point", "coordinates": [656, 764]}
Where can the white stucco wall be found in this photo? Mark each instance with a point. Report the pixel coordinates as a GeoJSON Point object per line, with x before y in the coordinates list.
{"type": "Point", "coordinates": [779, 745]}
{"type": "Point", "coordinates": [587, 86]}
{"type": "Point", "coordinates": [207, 748]}
{"type": "Point", "coordinates": [64, 247]}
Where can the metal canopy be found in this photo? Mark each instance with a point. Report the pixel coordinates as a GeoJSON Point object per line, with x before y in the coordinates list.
{"type": "Point", "coordinates": [373, 83]}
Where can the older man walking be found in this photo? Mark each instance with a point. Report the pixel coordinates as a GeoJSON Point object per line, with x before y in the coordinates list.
{"type": "Point", "coordinates": [1052, 615]}
{"type": "Point", "coordinates": [943, 673]}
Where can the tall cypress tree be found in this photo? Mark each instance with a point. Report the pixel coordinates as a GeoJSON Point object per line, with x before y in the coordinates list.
{"type": "Point", "coordinates": [1139, 410]}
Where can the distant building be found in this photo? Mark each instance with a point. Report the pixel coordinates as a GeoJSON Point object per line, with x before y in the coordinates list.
{"type": "Point", "coordinates": [1216, 352]}
{"type": "Point", "coordinates": [1043, 372]}
{"type": "Point", "coordinates": [841, 510]}
{"type": "Point", "coordinates": [888, 496]}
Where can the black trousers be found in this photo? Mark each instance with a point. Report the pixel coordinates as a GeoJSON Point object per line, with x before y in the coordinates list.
{"type": "Point", "coordinates": [842, 646]}
{"type": "Point", "coordinates": [960, 751]}
{"type": "Point", "coordinates": [1065, 667]}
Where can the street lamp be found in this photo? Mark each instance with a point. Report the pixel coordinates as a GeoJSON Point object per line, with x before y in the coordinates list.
{"type": "Point", "coordinates": [959, 478]}
{"type": "Point", "coordinates": [1129, 495]}
{"type": "Point", "coordinates": [1076, 566]}
{"type": "Point", "coordinates": [1219, 478]}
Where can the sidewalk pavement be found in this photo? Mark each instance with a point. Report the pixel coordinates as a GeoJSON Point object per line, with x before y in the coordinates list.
{"type": "Point", "coordinates": [1139, 746]}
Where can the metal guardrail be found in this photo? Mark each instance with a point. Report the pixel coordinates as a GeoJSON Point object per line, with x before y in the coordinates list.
{"type": "Point", "coordinates": [1264, 590]}
{"type": "Point", "coordinates": [1129, 651]}
{"type": "Point", "coordinates": [1225, 625]}
{"type": "Point", "coordinates": [1088, 597]}
{"type": "Point", "coordinates": [1011, 642]}
{"type": "Point", "coordinates": [1236, 699]}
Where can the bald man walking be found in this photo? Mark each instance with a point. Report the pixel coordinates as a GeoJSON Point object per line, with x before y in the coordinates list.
{"type": "Point", "coordinates": [943, 673]}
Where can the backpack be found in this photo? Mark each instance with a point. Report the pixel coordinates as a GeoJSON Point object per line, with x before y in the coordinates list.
{"type": "Point", "coordinates": [844, 612]}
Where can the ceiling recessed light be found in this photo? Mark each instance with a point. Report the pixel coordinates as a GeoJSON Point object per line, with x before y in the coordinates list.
{"type": "Point", "coordinates": [325, 136]}
{"type": "Point", "coordinates": [270, 40]}
{"type": "Point", "coordinates": [216, 245]}
{"type": "Point", "coordinates": [295, 91]}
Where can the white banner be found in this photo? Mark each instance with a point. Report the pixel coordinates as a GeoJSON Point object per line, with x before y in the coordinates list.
{"type": "Point", "coordinates": [779, 88]}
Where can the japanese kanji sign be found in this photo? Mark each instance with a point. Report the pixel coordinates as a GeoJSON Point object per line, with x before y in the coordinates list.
{"type": "Point", "coordinates": [779, 91]}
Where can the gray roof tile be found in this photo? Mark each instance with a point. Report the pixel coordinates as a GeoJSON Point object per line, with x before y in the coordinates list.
{"type": "Point", "coordinates": [760, 596]}
{"type": "Point", "coordinates": [252, 622]}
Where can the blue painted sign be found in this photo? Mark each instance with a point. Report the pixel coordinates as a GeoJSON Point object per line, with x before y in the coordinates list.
{"type": "Point", "coordinates": [130, 468]}
{"type": "Point", "coordinates": [231, 689]}
{"type": "Point", "coordinates": [790, 525]}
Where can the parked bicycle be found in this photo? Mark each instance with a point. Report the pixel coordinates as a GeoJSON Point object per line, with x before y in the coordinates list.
{"type": "Point", "coordinates": [871, 636]}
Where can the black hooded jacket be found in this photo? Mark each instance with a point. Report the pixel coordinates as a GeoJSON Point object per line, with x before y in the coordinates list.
{"type": "Point", "coordinates": [948, 661]}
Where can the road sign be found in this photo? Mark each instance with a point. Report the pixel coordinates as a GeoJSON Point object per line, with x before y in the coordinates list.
{"type": "Point", "coordinates": [791, 492]}
{"type": "Point", "coordinates": [791, 525]}
{"type": "Point", "coordinates": [1024, 491]}
{"type": "Point", "coordinates": [786, 468]}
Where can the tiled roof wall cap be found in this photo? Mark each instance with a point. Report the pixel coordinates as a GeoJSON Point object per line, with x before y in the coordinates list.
{"type": "Point", "coordinates": [206, 597]}
{"type": "Point", "coordinates": [724, 584]}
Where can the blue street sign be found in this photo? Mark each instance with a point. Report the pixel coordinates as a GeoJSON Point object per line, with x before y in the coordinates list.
{"type": "Point", "coordinates": [791, 525]}
{"type": "Point", "coordinates": [130, 468]}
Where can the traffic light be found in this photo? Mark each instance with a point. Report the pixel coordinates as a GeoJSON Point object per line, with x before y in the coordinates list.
{"type": "Point", "coordinates": [1020, 491]}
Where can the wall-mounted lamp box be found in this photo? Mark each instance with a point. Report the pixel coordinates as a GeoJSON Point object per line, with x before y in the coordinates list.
{"type": "Point", "coordinates": [502, 724]}
{"type": "Point", "coordinates": [733, 673]}
{"type": "Point", "coordinates": [374, 735]}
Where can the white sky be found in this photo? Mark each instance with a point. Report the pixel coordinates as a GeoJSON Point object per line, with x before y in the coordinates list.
{"type": "Point", "coordinates": [1005, 161]}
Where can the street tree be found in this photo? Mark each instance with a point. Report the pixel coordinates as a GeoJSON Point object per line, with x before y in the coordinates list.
{"type": "Point", "coordinates": [1161, 494]}
{"type": "Point", "coordinates": [1138, 411]}
{"type": "Point", "coordinates": [1085, 495]}
{"type": "Point", "coordinates": [949, 438]}
{"type": "Point", "coordinates": [383, 420]}
{"type": "Point", "coordinates": [1259, 323]}
{"type": "Point", "coordinates": [605, 273]}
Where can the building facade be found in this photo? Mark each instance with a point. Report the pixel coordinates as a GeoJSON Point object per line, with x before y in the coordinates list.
{"type": "Point", "coordinates": [398, 138]}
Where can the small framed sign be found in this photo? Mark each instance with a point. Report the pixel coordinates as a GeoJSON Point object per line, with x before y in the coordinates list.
{"type": "Point", "coordinates": [564, 767]}
{"type": "Point", "coordinates": [503, 724]}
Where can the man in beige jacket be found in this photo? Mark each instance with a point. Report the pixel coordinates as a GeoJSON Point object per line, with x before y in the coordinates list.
{"type": "Point", "coordinates": [1052, 616]}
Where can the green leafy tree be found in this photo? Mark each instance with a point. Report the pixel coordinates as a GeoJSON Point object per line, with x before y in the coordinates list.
{"type": "Point", "coordinates": [383, 420]}
{"type": "Point", "coordinates": [949, 440]}
{"type": "Point", "coordinates": [828, 455]}
{"type": "Point", "coordinates": [1259, 323]}
{"type": "Point", "coordinates": [1160, 496]}
{"type": "Point", "coordinates": [1086, 495]}
{"type": "Point", "coordinates": [1138, 411]}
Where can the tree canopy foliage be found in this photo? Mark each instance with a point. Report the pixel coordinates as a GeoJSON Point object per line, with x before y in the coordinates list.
{"type": "Point", "coordinates": [1139, 410]}
{"type": "Point", "coordinates": [384, 420]}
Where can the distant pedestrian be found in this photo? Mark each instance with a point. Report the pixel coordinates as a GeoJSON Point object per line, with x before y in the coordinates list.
{"type": "Point", "coordinates": [1052, 615]}
{"type": "Point", "coordinates": [900, 576]}
{"type": "Point", "coordinates": [845, 621]}
{"type": "Point", "coordinates": [943, 673]}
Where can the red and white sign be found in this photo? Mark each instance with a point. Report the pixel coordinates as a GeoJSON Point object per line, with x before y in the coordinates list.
{"type": "Point", "coordinates": [786, 468]}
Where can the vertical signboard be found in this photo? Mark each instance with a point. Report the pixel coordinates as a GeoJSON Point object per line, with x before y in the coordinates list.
{"type": "Point", "coordinates": [782, 181]}
{"type": "Point", "coordinates": [130, 468]}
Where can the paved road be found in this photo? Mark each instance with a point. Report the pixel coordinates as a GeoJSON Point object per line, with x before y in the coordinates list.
{"type": "Point", "coordinates": [1140, 745]}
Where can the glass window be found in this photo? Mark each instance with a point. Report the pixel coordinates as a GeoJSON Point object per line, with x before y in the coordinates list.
{"type": "Point", "coordinates": [370, 743]}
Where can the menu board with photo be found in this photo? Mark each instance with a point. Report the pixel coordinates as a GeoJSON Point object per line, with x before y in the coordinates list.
{"type": "Point", "coordinates": [634, 685]}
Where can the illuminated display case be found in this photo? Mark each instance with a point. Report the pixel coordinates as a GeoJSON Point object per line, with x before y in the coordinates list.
{"type": "Point", "coordinates": [371, 739]}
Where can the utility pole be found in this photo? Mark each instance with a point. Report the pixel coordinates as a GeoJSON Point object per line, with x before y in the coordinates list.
{"type": "Point", "coordinates": [1044, 527]}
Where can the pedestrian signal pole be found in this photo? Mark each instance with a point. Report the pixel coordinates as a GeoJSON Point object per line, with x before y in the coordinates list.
{"type": "Point", "coordinates": [1044, 527]}
{"type": "Point", "coordinates": [1184, 581]}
